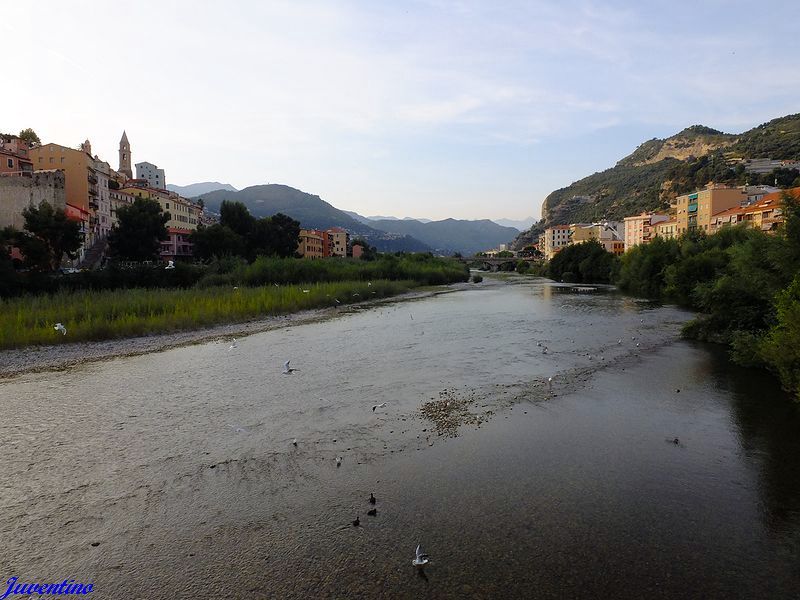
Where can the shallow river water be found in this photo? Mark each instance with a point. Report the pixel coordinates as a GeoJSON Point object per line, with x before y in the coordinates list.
{"type": "Point", "coordinates": [174, 475]}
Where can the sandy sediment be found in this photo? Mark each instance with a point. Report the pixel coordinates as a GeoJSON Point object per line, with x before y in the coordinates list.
{"type": "Point", "coordinates": [62, 356]}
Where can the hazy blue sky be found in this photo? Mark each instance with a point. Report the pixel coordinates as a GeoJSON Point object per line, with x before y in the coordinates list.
{"type": "Point", "coordinates": [430, 108]}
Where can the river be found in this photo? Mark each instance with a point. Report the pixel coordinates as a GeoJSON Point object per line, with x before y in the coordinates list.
{"type": "Point", "coordinates": [648, 468]}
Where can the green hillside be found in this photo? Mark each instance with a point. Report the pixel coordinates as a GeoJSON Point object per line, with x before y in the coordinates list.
{"type": "Point", "coordinates": [659, 170]}
{"type": "Point", "coordinates": [312, 212]}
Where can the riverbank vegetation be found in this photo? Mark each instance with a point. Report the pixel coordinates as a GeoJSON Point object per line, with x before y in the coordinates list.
{"type": "Point", "coordinates": [127, 299]}
{"type": "Point", "coordinates": [100, 315]}
{"type": "Point", "coordinates": [744, 284]}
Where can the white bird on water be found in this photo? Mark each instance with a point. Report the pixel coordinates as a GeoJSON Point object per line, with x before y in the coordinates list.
{"type": "Point", "coordinates": [170, 264]}
{"type": "Point", "coordinates": [550, 383]}
{"type": "Point", "coordinates": [287, 370]}
{"type": "Point", "coordinates": [338, 461]}
{"type": "Point", "coordinates": [382, 405]}
{"type": "Point", "coordinates": [233, 345]}
{"type": "Point", "coordinates": [61, 328]}
{"type": "Point", "coordinates": [420, 559]}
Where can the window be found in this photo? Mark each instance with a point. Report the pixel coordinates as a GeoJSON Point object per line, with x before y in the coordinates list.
{"type": "Point", "coordinates": [10, 163]}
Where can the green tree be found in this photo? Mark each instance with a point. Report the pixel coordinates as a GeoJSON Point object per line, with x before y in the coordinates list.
{"type": "Point", "coordinates": [587, 262]}
{"type": "Point", "coordinates": [50, 236]}
{"type": "Point", "coordinates": [141, 227]}
{"type": "Point", "coordinates": [216, 241]}
{"type": "Point", "coordinates": [29, 135]}
{"type": "Point", "coordinates": [781, 347]}
{"type": "Point", "coordinates": [236, 216]}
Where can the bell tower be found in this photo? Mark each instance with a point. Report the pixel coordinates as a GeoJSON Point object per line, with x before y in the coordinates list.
{"type": "Point", "coordinates": [125, 157]}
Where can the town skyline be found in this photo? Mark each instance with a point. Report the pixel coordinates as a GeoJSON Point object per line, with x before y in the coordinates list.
{"type": "Point", "coordinates": [428, 110]}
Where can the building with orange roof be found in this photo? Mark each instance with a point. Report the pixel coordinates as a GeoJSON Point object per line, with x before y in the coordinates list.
{"type": "Point", "coordinates": [765, 215]}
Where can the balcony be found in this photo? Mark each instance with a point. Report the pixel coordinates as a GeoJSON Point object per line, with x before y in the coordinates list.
{"type": "Point", "coordinates": [92, 178]}
{"type": "Point", "coordinates": [94, 205]}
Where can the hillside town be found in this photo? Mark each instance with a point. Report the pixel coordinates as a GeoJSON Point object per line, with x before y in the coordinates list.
{"type": "Point", "coordinates": [707, 210]}
{"type": "Point", "coordinates": [91, 192]}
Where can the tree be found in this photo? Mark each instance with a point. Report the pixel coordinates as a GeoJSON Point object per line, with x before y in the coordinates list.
{"type": "Point", "coordinates": [29, 135]}
{"type": "Point", "coordinates": [286, 235]}
{"type": "Point", "coordinates": [216, 240]}
{"type": "Point", "coordinates": [50, 235]}
{"type": "Point", "coordinates": [236, 216]}
{"type": "Point", "coordinates": [141, 228]}
{"type": "Point", "coordinates": [587, 262]}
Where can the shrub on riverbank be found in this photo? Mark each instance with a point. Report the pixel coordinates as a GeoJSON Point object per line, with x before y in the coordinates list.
{"type": "Point", "coordinates": [93, 315]}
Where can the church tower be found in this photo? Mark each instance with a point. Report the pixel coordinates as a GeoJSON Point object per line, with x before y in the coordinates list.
{"type": "Point", "coordinates": [125, 157]}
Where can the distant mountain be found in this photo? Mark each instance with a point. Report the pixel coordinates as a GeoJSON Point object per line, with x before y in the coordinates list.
{"type": "Point", "coordinates": [312, 212]}
{"type": "Point", "coordinates": [196, 189]}
{"type": "Point", "coordinates": [380, 218]}
{"type": "Point", "coordinates": [357, 217]}
{"type": "Point", "coordinates": [520, 225]}
{"type": "Point", "coordinates": [658, 171]}
{"type": "Point", "coordinates": [452, 235]}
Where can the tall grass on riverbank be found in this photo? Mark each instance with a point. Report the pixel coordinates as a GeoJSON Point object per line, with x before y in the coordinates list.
{"type": "Point", "coordinates": [230, 271]}
{"type": "Point", "coordinates": [102, 315]}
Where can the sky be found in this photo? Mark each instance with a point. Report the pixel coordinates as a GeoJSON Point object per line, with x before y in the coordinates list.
{"type": "Point", "coordinates": [428, 108]}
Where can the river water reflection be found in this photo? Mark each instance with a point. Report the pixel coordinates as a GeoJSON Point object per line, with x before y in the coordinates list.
{"type": "Point", "coordinates": [173, 475]}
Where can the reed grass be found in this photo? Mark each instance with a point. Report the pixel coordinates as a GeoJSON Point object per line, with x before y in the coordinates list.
{"type": "Point", "coordinates": [102, 315]}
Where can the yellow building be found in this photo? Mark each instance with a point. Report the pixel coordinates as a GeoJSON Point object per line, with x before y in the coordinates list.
{"type": "Point", "coordinates": [184, 214]}
{"type": "Point", "coordinates": [311, 244]}
{"type": "Point", "coordinates": [77, 166]}
{"type": "Point", "coordinates": [666, 229]}
{"type": "Point", "coordinates": [337, 238]}
{"type": "Point", "coordinates": [695, 210]}
{"type": "Point", "coordinates": [555, 238]}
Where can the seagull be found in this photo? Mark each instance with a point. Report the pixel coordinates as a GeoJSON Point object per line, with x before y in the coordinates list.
{"type": "Point", "coordinates": [421, 559]}
{"type": "Point", "coordinates": [619, 341]}
{"type": "Point", "coordinates": [170, 265]}
{"type": "Point", "coordinates": [287, 370]}
{"type": "Point", "coordinates": [544, 350]}
{"type": "Point", "coordinates": [372, 499]}
{"type": "Point", "coordinates": [294, 442]}
{"type": "Point", "coordinates": [61, 328]}
{"type": "Point", "coordinates": [637, 344]}
{"type": "Point", "coordinates": [550, 383]}
{"type": "Point", "coordinates": [233, 345]}
{"type": "Point", "coordinates": [338, 461]}
{"type": "Point", "coordinates": [382, 405]}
